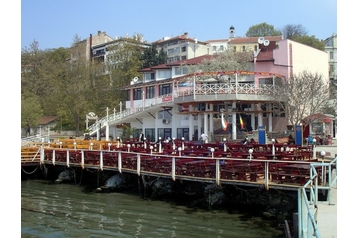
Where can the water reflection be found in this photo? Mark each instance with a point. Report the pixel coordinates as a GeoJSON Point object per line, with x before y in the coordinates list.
{"type": "Point", "coordinates": [64, 210]}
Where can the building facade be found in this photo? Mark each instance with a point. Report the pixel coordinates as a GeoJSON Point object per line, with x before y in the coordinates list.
{"type": "Point", "coordinates": [168, 102]}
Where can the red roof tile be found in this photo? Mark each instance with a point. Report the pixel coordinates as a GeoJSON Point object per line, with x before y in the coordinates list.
{"type": "Point", "coordinates": [253, 39]}
{"type": "Point", "coordinates": [47, 119]}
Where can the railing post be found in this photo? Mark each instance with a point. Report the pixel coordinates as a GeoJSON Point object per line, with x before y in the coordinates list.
{"type": "Point", "coordinates": [217, 172]}
{"type": "Point", "coordinates": [82, 159]}
{"type": "Point", "coordinates": [120, 162]}
{"type": "Point", "coordinates": [101, 160]}
{"type": "Point", "coordinates": [267, 175]}
{"type": "Point", "coordinates": [173, 168]}
{"type": "Point", "coordinates": [42, 154]}
{"type": "Point", "coordinates": [53, 156]}
{"type": "Point", "coordinates": [138, 164]}
{"type": "Point", "coordinates": [68, 158]}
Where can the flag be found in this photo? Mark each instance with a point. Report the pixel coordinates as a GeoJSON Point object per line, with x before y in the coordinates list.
{"type": "Point", "coordinates": [241, 122]}
{"type": "Point", "coordinates": [223, 123]}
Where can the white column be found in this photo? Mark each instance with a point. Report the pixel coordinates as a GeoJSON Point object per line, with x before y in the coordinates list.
{"type": "Point", "coordinates": [234, 126]}
{"type": "Point", "coordinates": [200, 125]}
{"type": "Point", "coordinates": [206, 124]}
{"type": "Point", "coordinates": [107, 126]}
{"type": "Point", "coordinates": [259, 115]}
{"type": "Point", "coordinates": [253, 117]}
{"type": "Point", "coordinates": [211, 122]}
{"type": "Point", "coordinates": [269, 117]}
{"type": "Point", "coordinates": [191, 123]}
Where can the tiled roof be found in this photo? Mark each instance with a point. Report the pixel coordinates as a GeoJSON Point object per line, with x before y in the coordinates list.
{"type": "Point", "coordinates": [319, 117]}
{"type": "Point", "coordinates": [47, 119]}
{"type": "Point", "coordinates": [180, 37]}
{"type": "Point", "coordinates": [244, 40]}
{"type": "Point", "coordinates": [221, 40]}
{"type": "Point", "coordinates": [195, 60]}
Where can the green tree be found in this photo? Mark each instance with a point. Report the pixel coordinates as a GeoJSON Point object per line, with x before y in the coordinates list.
{"type": "Point", "coordinates": [31, 112]}
{"type": "Point", "coordinates": [152, 57]}
{"type": "Point", "coordinates": [128, 52]}
{"type": "Point", "coordinates": [310, 41]}
{"type": "Point", "coordinates": [290, 30]}
{"type": "Point", "coordinates": [262, 29]}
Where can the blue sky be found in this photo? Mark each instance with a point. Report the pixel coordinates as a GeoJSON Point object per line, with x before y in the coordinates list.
{"type": "Point", "coordinates": [55, 23]}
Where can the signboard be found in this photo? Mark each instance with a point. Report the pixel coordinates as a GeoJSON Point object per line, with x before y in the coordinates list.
{"type": "Point", "coordinates": [299, 135]}
{"type": "Point", "coordinates": [262, 134]}
{"type": "Point", "coordinates": [91, 116]}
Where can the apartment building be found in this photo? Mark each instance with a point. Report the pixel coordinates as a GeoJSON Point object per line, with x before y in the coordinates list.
{"type": "Point", "coordinates": [182, 47]}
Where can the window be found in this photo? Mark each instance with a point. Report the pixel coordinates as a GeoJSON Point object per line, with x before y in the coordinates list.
{"type": "Point", "coordinates": [149, 76]}
{"type": "Point", "coordinates": [214, 48]}
{"type": "Point", "coordinates": [137, 94]}
{"type": "Point", "coordinates": [150, 92]}
{"type": "Point", "coordinates": [183, 132]}
{"type": "Point", "coordinates": [243, 48]}
{"type": "Point", "coordinates": [164, 114]}
{"type": "Point", "coordinates": [164, 74]}
{"type": "Point", "coordinates": [234, 48]}
{"type": "Point", "coordinates": [331, 55]}
{"type": "Point", "coordinates": [149, 134]}
{"type": "Point", "coordinates": [180, 70]}
{"type": "Point", "coordinates": [164, 133]}
{"type": "Point", "coordinates": [183, 57]}
{"type": "Point", "coordinates": [165, 89]}
{"type": "Point", "coordinates": [183, 49]}
{"type": "Point", "coordinates": [221, 47]}
{"type": "Point", "coordinates": [266, 81]}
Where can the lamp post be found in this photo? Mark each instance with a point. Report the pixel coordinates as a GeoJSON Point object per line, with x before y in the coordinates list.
{"type": "Point", "coordinates": [60, 144]}
{"type": "Point", "coordinates": [314, 148]}
{"type": "Point", "coordinates": [160, 144]}
{"type": "Point", "coordinates": [145, 143]}
{"type": "Point", "coordinates": [323, 153]}
{"type": "Point", "coordinates": [273, 148]}
{"type": "Point", "coordinates": [91, 146]}
{"type": "Point", "coordinates": [250, 154]}
{"type": "Point", "coordinates": [212, 152]}
{"type": "Point", "coordinates": [109, 146]}
{"type": "Point", "coordinates": [129, 147]}
{"type": "Point", "coordinates": [117, 141]}
{"type": "Point", "coordinates": [182, 143]}
{"type": "Point", "coordinates": [179, 149]}
{"type": "Point", "coordinates": [173, 140]}
{"type": "Point", "coordinates": [151, 149]}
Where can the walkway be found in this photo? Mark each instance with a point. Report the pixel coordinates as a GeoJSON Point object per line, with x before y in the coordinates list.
{"type": "Point", "coordinates": [327, 216]}
{"type": "Point", "coordinates": [327, 212]}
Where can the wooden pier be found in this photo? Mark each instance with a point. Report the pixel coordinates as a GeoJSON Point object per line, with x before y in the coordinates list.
{"type": "Point", "coordinates": [280, 165]}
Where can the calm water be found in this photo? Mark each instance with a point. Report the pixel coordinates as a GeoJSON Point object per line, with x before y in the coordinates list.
{"type": "Point", "coordinates": [67, 210]}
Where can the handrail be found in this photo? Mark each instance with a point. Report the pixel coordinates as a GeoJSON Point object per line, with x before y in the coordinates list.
{"type": "Point", "coordinates": [200, 89]}
{"type": "Point", "coordinates": [307, 216]}
{"type": "Point", "coordinates": [95, 127]}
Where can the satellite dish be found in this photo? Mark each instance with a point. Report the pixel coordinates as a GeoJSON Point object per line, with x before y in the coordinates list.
{"type": "Point", "coordinates": [266, 42]}
{"type": "Point", "coordinates": [135, 79]}
{"type": "Point", "coordinates": [261, 40]}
